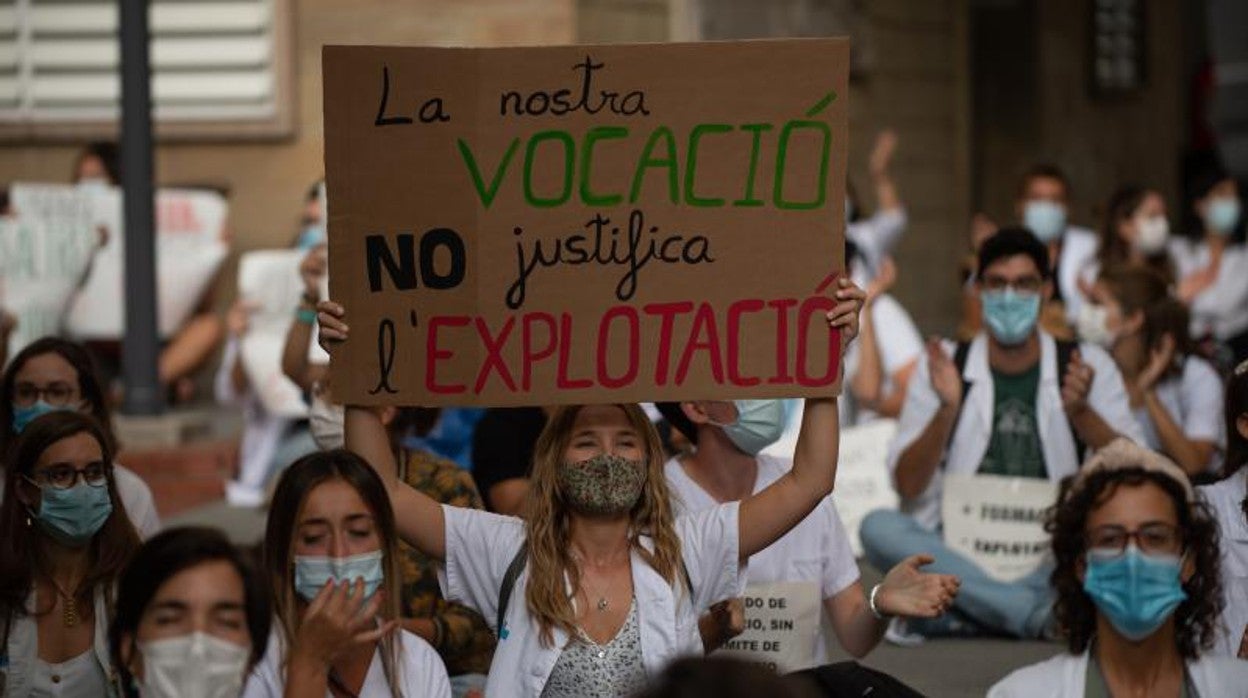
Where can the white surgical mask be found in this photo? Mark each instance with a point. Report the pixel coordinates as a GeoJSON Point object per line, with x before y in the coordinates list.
{"type": "Point", "coordinates": [197, 665]}
{"type": "Point", "coordinates": [1151, 234]}
{"type": "Point", "coordinates": [1093, 325]}
{"type": "Point", "coordinates": [325, 421]}
{"type": "Point", "coordinates": [1047, 219]}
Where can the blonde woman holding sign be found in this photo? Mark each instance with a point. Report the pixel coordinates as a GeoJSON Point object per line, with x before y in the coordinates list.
{"type": "Point", "coordinates": [600, 586]}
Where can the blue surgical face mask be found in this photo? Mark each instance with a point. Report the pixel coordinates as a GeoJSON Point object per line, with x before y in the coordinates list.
{"type": "Point", "coordinates": [313, 571]}
{"type": "Point", "coordinates": [1223, 214]}
{"type": "Point", "coordinates": [759, 424]}
{"type": "Point", "coordinates": [23, 416]}
{"type": "Point", "coordinates": [1010, 316]}
{"type": "Point", "coordinates": [313, 234]}
{"type": "Point", "coordinates": [1045, 218]}
{"type": "Point", "coordinates": [1135, 592]}
{"type": "Point", "coordinates": [73, 516]}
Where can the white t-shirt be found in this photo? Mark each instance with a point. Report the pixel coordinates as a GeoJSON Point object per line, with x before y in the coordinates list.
{"type": "Point", "coordinates": [1077, 257]}
{"type": "Point", "coordinates": [1194, 400]}
{"type": "Point", "coordinates": [1222, 309]}
{"type": "Point", "coordinates": [136, 497]}
{"type": "Point", "coordinates": [816, 550]}
{"type": "Point", "coordinates": [1225, 499]}
{"type": "Point", "coordinates": [899, 343]}
{"type": "Point", "coordinates": [420, 672]}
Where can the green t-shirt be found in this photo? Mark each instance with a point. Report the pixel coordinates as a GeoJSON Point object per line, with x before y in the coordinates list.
{"type": "Point", "coordinates": [1014, 449]}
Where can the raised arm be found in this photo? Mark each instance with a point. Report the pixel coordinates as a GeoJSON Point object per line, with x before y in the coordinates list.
{"type": "Point", "coordinates": [886, 196]}
{"type": "Point", "coordinates": [295, 363]}
{"type": "Point", "coordinates": [417, 516]}
{"type": "Point", "coordinates": [770, 514]}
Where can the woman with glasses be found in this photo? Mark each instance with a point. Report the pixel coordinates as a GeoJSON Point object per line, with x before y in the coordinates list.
{"type": "Point", "coordinates": [1138, 587]}
{"type": "Point", "coordinates": [55, 374]}
{"type": "Point", "coordinates": [64, 545]}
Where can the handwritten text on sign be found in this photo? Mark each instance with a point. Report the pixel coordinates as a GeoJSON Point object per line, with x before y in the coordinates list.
{"type": "Point", "coordinates": [998, 522]}
{"type": "Point", "coordinates": [781, 625]}
{"type": "Point", "coordinates": [542, 225]}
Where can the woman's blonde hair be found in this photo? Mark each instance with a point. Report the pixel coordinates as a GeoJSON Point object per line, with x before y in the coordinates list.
{"type": "Point", "coordinates": [289, 498]}
{"type": "Point", "coordinates": [547, 522]}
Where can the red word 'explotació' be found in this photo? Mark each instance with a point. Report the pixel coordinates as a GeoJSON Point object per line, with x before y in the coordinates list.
{"type": "Point", "coordinates": [516, 346]}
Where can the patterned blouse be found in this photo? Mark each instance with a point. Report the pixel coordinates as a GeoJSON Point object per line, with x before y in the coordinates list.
{"type": "Point", "coordinates": [464, 640]}
{"type": "Point", "coordinates": [586, 669]}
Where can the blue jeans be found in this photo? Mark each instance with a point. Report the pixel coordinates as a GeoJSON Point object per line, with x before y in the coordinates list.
{"type": "Point", "coordinates": [1022, 608]}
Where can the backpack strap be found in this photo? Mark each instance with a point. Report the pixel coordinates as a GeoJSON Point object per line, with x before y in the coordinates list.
{"type": "Point", "coordinates": [516, 566]}
{"type": "Point", "coordinates": [509, 584]}
{"type": "Point", "coordinates": [1065, 354]}
{"type": "Point", "coordinates": [960, 355]}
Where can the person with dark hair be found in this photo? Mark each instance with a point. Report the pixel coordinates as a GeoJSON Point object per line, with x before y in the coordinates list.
{"type": "Point", "coordinates": [98, 164]}
{"type": "Point", "coordinates": [51, 375]}
{"type": "Point", "coordinates": [813, 564]}
{"type": "Point", "coordinates": [1014, 402]}
{"type": "Point", "coordinates": [192, 617]}
{"type": "Point", "coordinates": [502, 451]}
{"type": "Point", "coordinates": [66, 540]}
{"type": "Point", "coordinates": [331, 559]}
{"type": "Point", "coordinates": [723, 677]}
{"type": "Point", "coordinates": [600, 568]}
{"type": "Point", "coordinates": [1175, 393]}
{"type": "Point", "coordinates": [1135, 231]}
{"type": "Point", "coordinates": [1228, 499]}
{"type": "Point", "coordinates": [1212, 264]}
{"type": "Point", "coordinates": [1138, 586]}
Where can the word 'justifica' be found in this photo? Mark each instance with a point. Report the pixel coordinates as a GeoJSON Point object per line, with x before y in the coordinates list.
{"type": "Point", "coordinates": [571, 157]}
{"type": "Point", "coordinates": [605, 245]}
{"type": "Point", "coordinates": [513, 347]}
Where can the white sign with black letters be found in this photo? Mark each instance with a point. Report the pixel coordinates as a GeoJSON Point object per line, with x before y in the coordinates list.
{"type": "Point", "coordinates": [998, 522]}
{"type": "Point", "coordinates": [781, 625]}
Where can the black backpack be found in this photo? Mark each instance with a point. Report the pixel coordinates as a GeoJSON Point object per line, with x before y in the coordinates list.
{"type": "Point", "coordinates": [1065, 353]}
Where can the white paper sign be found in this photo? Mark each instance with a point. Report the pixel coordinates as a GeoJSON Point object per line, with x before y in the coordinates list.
{"type": "Point", "coordinates": [45, 249]}
{"type": "Point", "coordinates": [998, 522]}
{"type": "Point", "coordinates": [269, 279]}
{"type": "Point", "coordinates": [863, 483]}
{"type": "Point", "coordinates": [190, 248]}
{"type": "Point", "coordinates": [781, 625]}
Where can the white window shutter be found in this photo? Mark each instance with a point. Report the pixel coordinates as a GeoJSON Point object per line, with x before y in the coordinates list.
{"type": "Point", "coordinates": [211, 60]}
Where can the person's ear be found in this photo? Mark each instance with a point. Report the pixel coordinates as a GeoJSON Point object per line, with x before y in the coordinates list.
{"type": "Point", "coordinates": [1241, 425]}
{"type": "Point", "coordinates": [1047, 290]}
{"type": "Point", "coordinates": [28, 493]}
{"type": "Point", "coordinates": [130, 659]}
{"type": "Point", "coordinates": [1081, 568]}
{"type": "Point", "coordinates": [1133, 323]}
{"type": "Point", "coordinates": [695, 412]}
{"type": "Point", "coordinates": [1188, 569]}
{"type": "Point", "coordinates": [387, 415]}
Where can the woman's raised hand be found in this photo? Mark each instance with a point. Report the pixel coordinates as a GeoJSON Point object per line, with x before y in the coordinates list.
{"type": "Point", "coordinates": [331, 318]}
{"type": "Point", "coordinates": [844, 316]}
{"type": "Point", "coordinates": [339, 620]}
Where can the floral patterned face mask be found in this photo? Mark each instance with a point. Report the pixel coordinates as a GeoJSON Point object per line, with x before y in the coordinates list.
{"type": "Point", "coordinates": [605, 485]}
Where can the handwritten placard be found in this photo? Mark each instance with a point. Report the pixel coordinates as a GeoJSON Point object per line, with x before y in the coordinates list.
{"type": "Point", "coordinates": [592, 223]}
{"type": "Point", "coordinates": [46, 247]}
{"type": "Point", "coordinates": [998, 522]}
{"type": "Point", "coordinates": [190, 248]}
{"type": "Point", "coordinates": [781, 625]}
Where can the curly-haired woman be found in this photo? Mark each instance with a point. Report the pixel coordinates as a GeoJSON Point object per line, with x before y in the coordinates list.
{"type": "Point", "coordinates": [1138, 587]}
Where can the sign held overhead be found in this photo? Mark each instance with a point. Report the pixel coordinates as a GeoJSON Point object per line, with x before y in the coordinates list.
{"type": "Point", "coordinates": [586, 223]}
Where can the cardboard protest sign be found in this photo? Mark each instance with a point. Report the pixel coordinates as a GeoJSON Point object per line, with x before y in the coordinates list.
{"type": "Point", "coordinates": [998, 522]}
{"type": "Point", "coordinates": [45, 249]}
{"type": "Point", "coordinates": [586, 223]}
{"type": "Point", "coordinates": [781, 625]}
{"type": "Point", "coordinates": [269, 280]}
{"type": "Point", "coordinates": [190, 248]}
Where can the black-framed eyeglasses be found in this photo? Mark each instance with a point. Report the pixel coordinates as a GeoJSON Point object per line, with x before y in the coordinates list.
{"type": "Point", "coordinates": [1027, 284]}
{"type": "Point", "coordinates": [57, 394]}
{"type": "Point", "coordinates": [1153, 538]}
{"type": "Point", "coordinates": [63, 477]}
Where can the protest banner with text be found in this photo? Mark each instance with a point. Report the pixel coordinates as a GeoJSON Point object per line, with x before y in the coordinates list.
{"type": "Point", "coordinates": [998, 522]}
{"type": "Point", "coordinates": [586, 223]}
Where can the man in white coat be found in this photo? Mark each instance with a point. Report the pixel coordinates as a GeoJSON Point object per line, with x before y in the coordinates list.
{"type": "Point", "coordinates": [1014, 402]}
